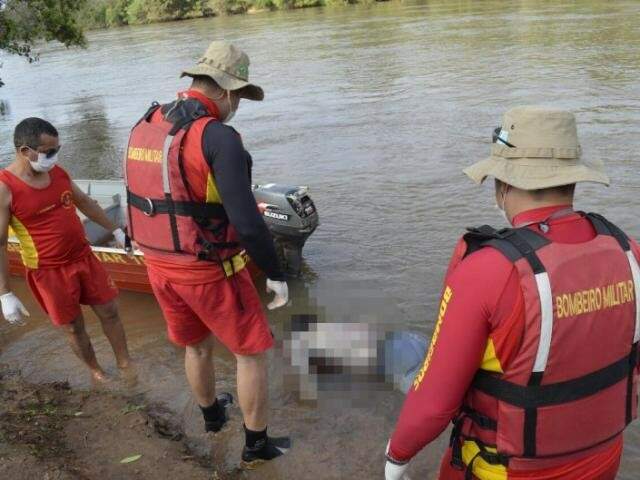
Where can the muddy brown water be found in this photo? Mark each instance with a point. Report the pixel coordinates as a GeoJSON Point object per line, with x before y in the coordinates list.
{"type": "Point", "coordinates": [377, 109]}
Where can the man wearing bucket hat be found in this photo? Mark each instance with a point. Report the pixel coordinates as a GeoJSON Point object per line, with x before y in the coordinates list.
{"type": "Point", "coordinates": [192, 212]}
{"type": "Point", "coordinates": [534, 356]}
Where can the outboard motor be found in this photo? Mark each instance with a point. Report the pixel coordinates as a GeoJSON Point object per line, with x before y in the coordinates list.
{"type": "Point", "coordinates": [291, 217]}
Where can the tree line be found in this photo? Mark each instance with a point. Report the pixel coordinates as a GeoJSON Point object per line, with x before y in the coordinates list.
{"type": "Point", "coordinates": [109, 13]}
{"type": "Point", "coordinates": [23, 23]}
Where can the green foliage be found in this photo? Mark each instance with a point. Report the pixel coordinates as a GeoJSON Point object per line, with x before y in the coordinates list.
{"type": "Point", "coordinates": [264, 4]}
{"type": "Point", "coordinates": [228, 7]}
{"type": "Point", "coordinates": [348, 2]}
{"type": "Point", "coordinates": [116, 12]}
{"type": "Point", "coordinates": [308, 3]}
{"type": "Point", "coordinates": [108, 13]}
{"type": "Point", "coordinates": [24, 22]}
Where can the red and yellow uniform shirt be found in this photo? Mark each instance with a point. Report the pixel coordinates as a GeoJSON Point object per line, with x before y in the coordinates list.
{"type": "Point", "coordinates": [480, 324]}
{"type": "Point", "coordinates": [45, 221]}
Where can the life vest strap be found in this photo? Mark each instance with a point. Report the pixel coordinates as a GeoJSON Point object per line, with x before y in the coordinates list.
{"type": "Point", "coordinates": [209, 250]}
{"type": "Point", "coordinates": [513, 243]}
{"type": "Point", "coordinates": [536, 396]}
{"type": "Point", "coordinates": [457, 439]}
{"type": "Point", "coordinates": [196, 210]}
{"type": "Point", "coordinates": [633, 365]}
{"type": "Point", "coordinates": [605, 227]}
{"type": "Point", "coordinates": [483, 421]}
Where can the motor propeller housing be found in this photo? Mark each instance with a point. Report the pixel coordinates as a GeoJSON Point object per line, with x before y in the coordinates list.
{"type": "Point", "coordinates": [292, 217]}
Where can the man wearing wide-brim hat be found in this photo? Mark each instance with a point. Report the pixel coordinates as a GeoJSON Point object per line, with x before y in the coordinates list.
{"type": "Point", "coordinates": [534, 356]}
{"type": "Point", "coordinates": [193, 213]}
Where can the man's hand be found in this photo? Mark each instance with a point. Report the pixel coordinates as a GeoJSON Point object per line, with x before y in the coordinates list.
{"type": "Point", "coordinates": [120, 237]}
{"type": "Point", "coordinates": [393, 469]}
{"type": "Point", "coordinates": [13, 309]}
{"type": "Point", "coordinates": [124, 241]}
{"type": "Point", "coordinates": [282, 293]}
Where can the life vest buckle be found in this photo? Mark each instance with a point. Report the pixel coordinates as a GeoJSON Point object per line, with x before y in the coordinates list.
{"type": "Point", "coordinates": [205, 252]}
{"type": "Point", "coordinates": [152, 208]}
{"type": "Point", "coordinates": [455, 442]}
{"type": "Point", "coordinates": [494, 458]}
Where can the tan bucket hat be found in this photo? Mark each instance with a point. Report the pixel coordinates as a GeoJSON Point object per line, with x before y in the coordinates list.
{"type": "Point", "coordinates": [229, 67]}
{"type": "Point", "coordinates": [537, 148]}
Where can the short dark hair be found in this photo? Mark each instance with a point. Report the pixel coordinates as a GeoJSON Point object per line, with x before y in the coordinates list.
{"type": "Point", "coordinates": [29, 130]}
{"type": "Point", "coordinates": [204, 80]}
{"type": "Point", "coordinates": [564, 190]}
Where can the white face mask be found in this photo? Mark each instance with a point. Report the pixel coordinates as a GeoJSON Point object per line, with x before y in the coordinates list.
{"type": "Point", "coordinates": [232, 111]}
{"type": "Point", "coordinates": [503, 208]}
{"type": "Point", "coordinates": [44, 164]}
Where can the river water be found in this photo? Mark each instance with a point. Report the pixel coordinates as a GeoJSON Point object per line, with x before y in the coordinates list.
{"type": "Point", "coordinates": [377, 109]}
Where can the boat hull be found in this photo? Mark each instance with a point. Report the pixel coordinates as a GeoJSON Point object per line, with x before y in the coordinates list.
{"type": "Point", "coordinates": [128, 272]}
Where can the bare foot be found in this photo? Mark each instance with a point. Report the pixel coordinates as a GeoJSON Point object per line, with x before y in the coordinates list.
{"type": "Point", "coordinates": [99, 377]}
{"type": "Point", "coordinates": [125, 364]}
{"type": "Point", "coordinates": [129, 374]}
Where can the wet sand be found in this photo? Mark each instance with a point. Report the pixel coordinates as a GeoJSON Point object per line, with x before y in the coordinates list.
{"type": "Point", "coordinates": [334, 439]}
{"type": "Point", "coordinates": [338, 439]}
{"type": "Point", "coordinates": [50, 431]}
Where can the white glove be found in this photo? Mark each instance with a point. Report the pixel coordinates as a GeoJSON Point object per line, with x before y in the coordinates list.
{"type": "Point", "coordinates": [120, 237]}
{"type": "Point", "coordinates": [393, 470]}
{"type": "Point", "coordinates": [13, 309]}
{"type": "Point", "coordinates": [282, 293]}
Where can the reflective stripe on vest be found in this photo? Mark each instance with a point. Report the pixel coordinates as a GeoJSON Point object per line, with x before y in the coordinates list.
{"type": "Point", "coordinates": [635, 271]}
{"type": "Point", "coordinates": [546, 324]}
{"type": "Point", "coordinates": [166, 186]}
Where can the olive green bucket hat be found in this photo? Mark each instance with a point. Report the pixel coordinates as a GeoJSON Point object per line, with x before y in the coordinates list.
{"type": "Point", "coordinates": [537, 148]}
{"type": "Point", "coordinates": [228, 66]}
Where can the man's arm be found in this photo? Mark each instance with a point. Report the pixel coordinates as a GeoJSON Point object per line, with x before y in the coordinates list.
{"type": "Point", "coordinates": [227, 158]}
{"type": "Point", "coordinates": [5, 216]}
{"type": "Point", "coordinates": [12, 308]}
{"type": "Point", "coordinates": [89, 207]}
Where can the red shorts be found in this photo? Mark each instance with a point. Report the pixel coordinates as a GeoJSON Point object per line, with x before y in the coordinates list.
{"type": "Point", "coordinates": [228, 308]}
{"type": "Point", "coordinates": [61, 290]}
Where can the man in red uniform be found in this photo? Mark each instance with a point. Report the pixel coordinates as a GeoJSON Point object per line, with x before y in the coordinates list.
{"type": "Point", "coordinates": [193, 214]}
{"type": "Point", "coordinates": [535, 351]}
{"type": "Point", "coordinates": [38, 200]}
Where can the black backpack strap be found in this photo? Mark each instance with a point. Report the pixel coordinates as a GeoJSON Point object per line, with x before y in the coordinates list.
{"type": "Point", "coordinates": [605, 227]}
{"type": "Point", "coordinates": [527, 242]}
{"type": "Point", "coordinates": [477, 237]}
{"type": "Point", "coordinates": [147, 115]}
{"type": "Point", "coordinates": [513, 243]}
{"type": "Point", "coordinates": [185, 123]}
{"type": "Point", "coordinates": [182, 113]}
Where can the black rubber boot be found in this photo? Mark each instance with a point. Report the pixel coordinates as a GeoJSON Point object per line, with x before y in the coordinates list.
{"type": "Point", "coordinates": [266, 449]}
{"type": "Point", "coordinates": [216, 415]}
